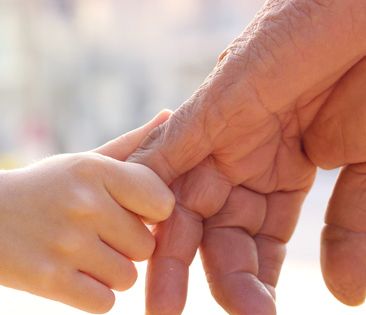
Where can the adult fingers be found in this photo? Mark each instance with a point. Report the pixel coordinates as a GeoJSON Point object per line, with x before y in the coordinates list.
{"type": "Point", "coordinates": [343, 254]}
{"type": "Point", "coordinates": [283, 210]}
{"type": "Point", "coordinates": [244, 246]}
{"type": "Point", "coordinates": [230, 260]}
{"type": "Point", "coordinates": [121, 147]}
{"type": "Point", "coordinates": [138, 189]}
{"type": "Point", "coordinates": [279, 60]}
{"type": "Point", "coordinates": [229, 255]}
{"type": "Point", "coordinates": [200, 193]}
{"type": "Point", "coordinates": [177, 241]}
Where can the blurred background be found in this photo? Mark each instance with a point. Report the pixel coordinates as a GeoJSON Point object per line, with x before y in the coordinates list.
{"type": "Point", "coordinates": [76, 73]}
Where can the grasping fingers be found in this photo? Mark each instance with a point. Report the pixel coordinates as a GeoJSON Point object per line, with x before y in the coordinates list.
{"type": "Point", "coordinates": [199, 193]}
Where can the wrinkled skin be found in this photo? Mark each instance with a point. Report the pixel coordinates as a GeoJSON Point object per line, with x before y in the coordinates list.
{"type": "Point", "coordinates": [241, 154]}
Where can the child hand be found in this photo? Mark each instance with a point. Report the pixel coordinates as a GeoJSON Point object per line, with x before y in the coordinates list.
{"type": "Point", "coordinates": [66, 228]}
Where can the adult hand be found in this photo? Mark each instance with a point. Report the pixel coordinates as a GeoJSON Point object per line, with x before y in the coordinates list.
{"type": "Point", "coordinates": [234, 156]}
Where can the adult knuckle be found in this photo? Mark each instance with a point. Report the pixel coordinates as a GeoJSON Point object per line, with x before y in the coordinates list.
{"type": "Point", "coordinates": [155, 135]}
{"type": "Point", "coordinates": [190, 117]}
{"type": "Point", "coordinates": [154, 139]}
{"type": "Point", "coordinates": [243, 209]}
{"type": "Point", "coordinates": [188, 127]}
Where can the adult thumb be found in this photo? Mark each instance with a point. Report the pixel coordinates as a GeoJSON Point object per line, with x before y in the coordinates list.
{"type": "Point", "coordinates": [179, 144]}
{"type": "Point", "coordinates": [121, 147]}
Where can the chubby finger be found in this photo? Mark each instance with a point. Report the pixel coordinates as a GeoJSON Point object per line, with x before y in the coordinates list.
{"type": "Point", "coordinates": [81, 291]}
{"type": "Point", "coordinates": [124, 231]}
{"type": "Point", "coordinates": [343, 251]}
{"type": "Point", "coordinates": [106, 265]}
{"type": "Point", "coordinates": [177, 241]}
{"type": "Point", "coordinates": [138, 189]}
{"type": "Point", "coordinates": [121, 147]}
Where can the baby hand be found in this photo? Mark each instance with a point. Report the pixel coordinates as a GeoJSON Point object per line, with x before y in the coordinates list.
{"type": "Point", "coordinates": [67, 231]}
